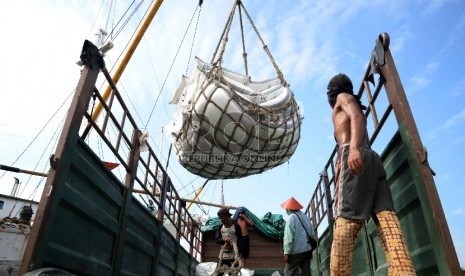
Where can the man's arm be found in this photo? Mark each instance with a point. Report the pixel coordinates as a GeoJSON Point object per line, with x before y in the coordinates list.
{"type": "Point", "coordinates": [288, 239]}
{"type": "Point", "coordinates": [218, 236]}
{"type": "Point", "coordinates": [238, 229]}
{"type": "Point", "coordinates": [350, 106]}
{"type": "Point", "coordinates": [247, 220]}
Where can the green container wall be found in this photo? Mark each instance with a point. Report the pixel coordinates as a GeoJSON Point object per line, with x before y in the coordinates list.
{"type": "Point", "coordinates": [405, 186]}
{"type": "Point", "coordinates": [85, 226]}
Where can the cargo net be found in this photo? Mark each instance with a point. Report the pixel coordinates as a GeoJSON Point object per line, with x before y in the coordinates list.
{"type": "Point", "coordinates": [228, 126]}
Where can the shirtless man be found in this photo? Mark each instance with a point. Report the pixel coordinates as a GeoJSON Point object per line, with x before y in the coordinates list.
{"type": "Point", "coordinates": [244, 246]}
{"type": "Point", "coordinates": [361, 188]}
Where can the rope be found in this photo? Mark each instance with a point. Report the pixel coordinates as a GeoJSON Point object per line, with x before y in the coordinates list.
{"type": "Point", "coordinates": [235, 268]}
{"type": "Point", "coordinates": [195, 32]}
{"type": "Point", "coordinates": [224, 36]}
{"type": "Point", "coordinates": [169, 70]}
{"type": "Point", "coordinates": [217, 59]}
{"type": "Point", "coordinates": [113, 35]}
{"type": "Point", "coordinates": [109, 13]}
{"type": "Point", "coordinates": [265, 47]}
{"type": "Point", "coordinates": [244, 53]}
{"type": "Point", "coordinates": [40, 131]}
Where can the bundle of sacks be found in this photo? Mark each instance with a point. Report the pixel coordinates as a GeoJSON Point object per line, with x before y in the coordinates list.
{"type": "Point", "coordinates": [208, 269]}
{"type": "Point", "coordinates": [228, 126]}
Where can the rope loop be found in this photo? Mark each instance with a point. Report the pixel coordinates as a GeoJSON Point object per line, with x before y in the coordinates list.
{"type": "Point", "coordinates": [235, 268]}
{"type": "Point", "coordinates": [220, 48]}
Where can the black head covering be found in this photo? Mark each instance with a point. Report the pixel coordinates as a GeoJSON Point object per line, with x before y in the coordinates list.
{"type": "Point", "coordinates": [224, 212]}
{"type": "Point", "coordinates": [338, 84]}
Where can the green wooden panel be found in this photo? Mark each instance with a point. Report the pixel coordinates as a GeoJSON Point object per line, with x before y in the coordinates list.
{"type": "Point", "coordinates": [85, 226]}
{"type": "Point", "coordinates": [168, 251]}
{"type": "Point", "coordinates": [185, 264]}
{"type": "Point", "coordinates": [321, 256]}
{"type": "Point", "coordinates": [405, 186]}
{"type": "Point", "coordinates": [139, 249]}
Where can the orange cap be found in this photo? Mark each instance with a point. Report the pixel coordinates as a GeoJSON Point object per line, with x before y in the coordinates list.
{"type": "Point", "coordinates": [291, 204]}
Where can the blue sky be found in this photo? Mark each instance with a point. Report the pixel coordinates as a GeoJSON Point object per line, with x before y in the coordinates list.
{"type": "Point", "coordinates": [309, 40]}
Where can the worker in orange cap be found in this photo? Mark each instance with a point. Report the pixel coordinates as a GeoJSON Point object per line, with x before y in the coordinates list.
{"type": "Point", "coordinates": [296, 242]}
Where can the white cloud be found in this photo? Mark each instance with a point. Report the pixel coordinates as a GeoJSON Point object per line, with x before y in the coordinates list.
{"type": "Point", "coordinates": [433, 6]}
{"type": "Point", "coordinates": [432, 67]}
{"type": "Point", "coordinates": [459, 88]}
{"type": "Point", "coordinates": [422, 80]}
{"type": "Point", "coordinates": [456, 33]}
{"type": "Point", "coordinates": [459, 141]}
{"type": "Point", "coordinates": [454, 120]}
{"type": "Point", "coordinates": [452, 123]}
{"type": "Point", "coordinates": [460, 211]}
{"type": "Point", "coordinates": [418, 83]}
{"type": "Point", "coordinates": [402, 36]}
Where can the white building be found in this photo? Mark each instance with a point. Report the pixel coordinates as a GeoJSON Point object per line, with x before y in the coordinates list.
{"type": "Point", "coordinates": [11, 206]}
{"type": "Point", "coordinates": [13, 235]}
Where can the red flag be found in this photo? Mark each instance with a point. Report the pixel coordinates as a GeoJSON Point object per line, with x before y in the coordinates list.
{"type": "Point", "coordinates": [110, 165]}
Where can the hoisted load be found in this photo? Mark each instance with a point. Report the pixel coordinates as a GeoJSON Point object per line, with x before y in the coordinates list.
{"type": "Point", "coordinates": [228, 126]}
